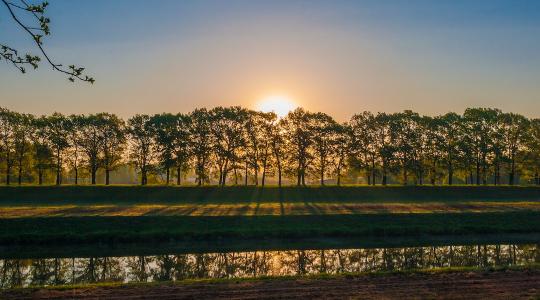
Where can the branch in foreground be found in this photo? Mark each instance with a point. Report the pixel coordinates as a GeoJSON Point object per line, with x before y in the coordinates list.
{"type": "Point", "coordinates": [11, 55]}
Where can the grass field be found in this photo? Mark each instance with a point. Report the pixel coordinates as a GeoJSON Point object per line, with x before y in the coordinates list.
{"type": "Point", "coordinates": [75, 214]}
{"type": "Point", "coordinates": [117, 195]}
{"type": "Point", "coordinates": [163, 228]}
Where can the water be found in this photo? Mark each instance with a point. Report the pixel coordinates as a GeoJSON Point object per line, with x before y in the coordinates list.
{"type": "Point", "coordinates": [173, 267]}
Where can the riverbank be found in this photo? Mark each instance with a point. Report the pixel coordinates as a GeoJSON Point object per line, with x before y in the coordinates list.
{"type": "Point", "coordinates": [147, 229]}
{"type": "Point", "coordinates": [504, 283]}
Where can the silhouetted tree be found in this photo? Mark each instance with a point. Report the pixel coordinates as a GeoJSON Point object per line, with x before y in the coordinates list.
{"type": "Point", "coordinates": [141, 144]}
{"type": "Point", "coordinates": [201, 141]}
{"type": "Point", "coordinates": [113, 142]}
{"type": "Point", "coordinates": [57, 127]}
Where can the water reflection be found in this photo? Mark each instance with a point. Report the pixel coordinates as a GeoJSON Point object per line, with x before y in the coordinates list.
{"type": "Point", "coordinates": [56, 271]}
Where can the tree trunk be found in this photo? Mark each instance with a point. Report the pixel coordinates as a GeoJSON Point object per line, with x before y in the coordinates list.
{"type": "Point", "coordinates": [143, 176]}
{"type": "Point", "coordinates": [484, 170]}
{"type": "Point", "coordinates": [512, 172]}
{"type": "Point", "coordinates": [279, 173]}
{"type": "Point", "coordinates": [40, 176]}
{"type": "Point", "coordinates": [8, 168]}
{"type": "Point", "coordinates": [94, 171]}
{"type": "Point", "coordinates": [168, 175]}
{"type": "Point", "coordinates": [178, 175]}
{"type": "Point", "coordinates": [450, 173]}
{"type": "Point", "coordinates": [405, 177]}
{"type": "Point", "coordinates": [225, 171]}
{"type": "Point", "coordinates": [58, 179]}
{"type": "Point", "coordinates": [220, 174]}
{"type": "Point", "coordinates": [19, 177]}
{"type": "Point", "coordinates": [264, 173]}
{"type": "Point", "coordinates": [373, 171]}
{"type": "Point", "coordinates": [303, 175]}
{"type": "Point", "coordinates": [107, 174]}
{"type": "Point", "coordinates": [256, 169]}
{"type": "Point", "coordinates": [246, 174]}
{"type": "Point", "coordinates": [384, 175]}
{"type": "Point", "coordinates": [298, 175]}
{"type": "Point", "coordinates": [477, 172]}
{"type": "Point", "coordinates": [76, 176]}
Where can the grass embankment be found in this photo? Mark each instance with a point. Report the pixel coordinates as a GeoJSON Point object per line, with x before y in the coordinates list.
{"type": "Point", "coordinates": [76, 214]}
{"type": "Point", "coordinates": [95, 195]}
{"type": "Point", "coordinates": [147, 229]}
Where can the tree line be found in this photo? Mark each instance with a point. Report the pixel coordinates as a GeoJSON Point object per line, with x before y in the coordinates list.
{"type": "Point", "coordinates": [237, 146]}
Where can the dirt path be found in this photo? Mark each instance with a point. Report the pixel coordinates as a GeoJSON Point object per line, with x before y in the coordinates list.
{"type": "Point", "coordinates": [457, 285]}
{"type": "Point", "coordinates": [250, 209]}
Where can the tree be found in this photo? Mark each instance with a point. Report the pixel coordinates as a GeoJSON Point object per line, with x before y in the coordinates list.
{"type": "Point", "coordinates": [430, 150]}
{"type": "Point", "coordinates": [363, 149]}
{"type": "Point", "coordinates": [515, 136]}
{"type": "Point", "coordinates": [450, 131]}
{"type": "Point", "coordinates": [43, 156]}
{"type": "Point", "coordinates": [113, 134]}
{"type": "Point", "coordinates": [36, 33]}
{"type": "Point", "coordinates": [479, 123]}
{"type": "Point", "coordinates": [267, 129]}
{"type": "Point", "coordinates": [142, 144]}
{"type": "Point", "coordinates": [385, 143]}
{"type": "Point", "coordinates": [257, 146]}
{"type": "Point", "coordinates": [227, 128]}
{"type": "Point", "coordinates": [532, 157]}
{"type": "Point", "coordinates": [57, 127]}
{"type": "Point", "coordinates": [341, 148]}
{"type": "Point", "coordinates": [164, 128]}
{"type": "Point", "coordinates": [22, 131]}
{"type": "Point", "coordinates": [405, 130]}
{"type": "Point", "coordinates": [278, 147]}
{"type": "Point", "coordinates": [91, 141]}
{"type": "Point", "coordinates": [201, 141]}
{"type": "Point", "coordinates": [76, 123]}
{"type": "Point", "coordinates": [297, 134]}
{"type": "Point", "coordinates": [7, 123]}
{"type": "Point", "coordinates": [182, 145]}
{"type": "Point", "coordinates": [324, 135]}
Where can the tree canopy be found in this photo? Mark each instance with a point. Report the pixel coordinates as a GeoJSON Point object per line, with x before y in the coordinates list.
{"type": "Point", "coordinates": [235, 145]}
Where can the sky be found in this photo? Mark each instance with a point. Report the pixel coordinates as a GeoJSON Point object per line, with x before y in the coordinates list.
{"type": "Point", "coordinates": [339, 57]}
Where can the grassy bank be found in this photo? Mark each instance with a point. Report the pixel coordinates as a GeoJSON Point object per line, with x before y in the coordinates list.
{"type": "Point", "coordinates": [27, 251]}
{"type": "Point", "coordinates": [65, 230]}
{"type": "Point", "coordinates": [52, 195]}
{"type": "Point", "coordinates": [191, 288]}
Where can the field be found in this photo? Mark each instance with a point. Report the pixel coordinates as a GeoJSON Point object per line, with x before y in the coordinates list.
{"type": "Point", "coordinates": [83, 214]}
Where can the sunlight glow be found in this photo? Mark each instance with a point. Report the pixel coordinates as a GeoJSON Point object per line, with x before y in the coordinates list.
{"type": "Point", "coordinates": [279, 104]}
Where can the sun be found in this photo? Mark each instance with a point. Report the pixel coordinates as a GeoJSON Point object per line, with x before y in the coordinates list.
{"type": "Point", "coordinates": [279, 104]}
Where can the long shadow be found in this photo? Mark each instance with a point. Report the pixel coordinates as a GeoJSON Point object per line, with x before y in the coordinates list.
{"type": "Point", "coordinates": [256, 196]}
{"type": "Point", "coordinates": [282, 209]}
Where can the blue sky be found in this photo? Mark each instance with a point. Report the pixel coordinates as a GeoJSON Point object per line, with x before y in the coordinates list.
{"type": "Point", "coordinates": [338, 57]}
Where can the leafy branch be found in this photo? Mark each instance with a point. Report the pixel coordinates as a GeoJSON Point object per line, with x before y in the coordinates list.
{"type": "Point", "coordinates": [37, 33]}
